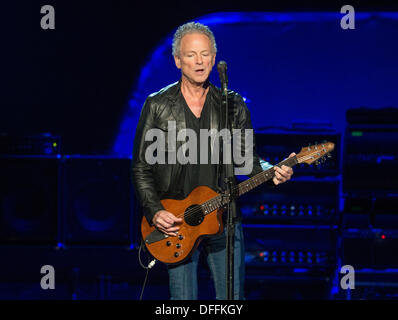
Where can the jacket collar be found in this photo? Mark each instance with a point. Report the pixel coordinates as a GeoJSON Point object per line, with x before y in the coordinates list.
{"type": "Point", "coordinates": [176, 108]}
{"type": "Point", "coordinates": [175, 88]}
{"type": "Point", "coordinates": [179, 114]}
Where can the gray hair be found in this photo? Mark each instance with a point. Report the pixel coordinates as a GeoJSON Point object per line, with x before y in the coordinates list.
{"type": "Point", "coordinates": [191, 27]}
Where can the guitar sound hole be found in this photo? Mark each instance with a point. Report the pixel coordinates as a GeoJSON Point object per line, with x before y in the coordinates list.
{"type": "Point", "coordinates": [194, 215]}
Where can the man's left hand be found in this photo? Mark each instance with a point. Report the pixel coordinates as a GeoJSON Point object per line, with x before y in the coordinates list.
{"type": "Point", "coordinates": [283, 174]}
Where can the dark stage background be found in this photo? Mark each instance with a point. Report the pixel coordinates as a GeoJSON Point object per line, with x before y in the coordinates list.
{"type": "Point", "coordinates": [70, 100]}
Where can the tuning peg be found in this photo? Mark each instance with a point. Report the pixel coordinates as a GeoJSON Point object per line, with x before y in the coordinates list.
{"type": "Point", "coordinates": [317, 162]}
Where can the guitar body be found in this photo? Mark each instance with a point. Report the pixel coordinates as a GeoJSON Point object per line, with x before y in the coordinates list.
{"type": "Point", "coordinates": [173, 250]}
{"type": "Point", "coordinates": [196, 210]}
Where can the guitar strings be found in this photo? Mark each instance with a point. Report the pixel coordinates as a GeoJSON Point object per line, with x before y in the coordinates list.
{"type": "Point", "coordinates": [199, 207]}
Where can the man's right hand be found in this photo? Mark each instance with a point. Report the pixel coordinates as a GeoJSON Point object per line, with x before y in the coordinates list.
{"type": "Point", "coordinates": [166, 222]}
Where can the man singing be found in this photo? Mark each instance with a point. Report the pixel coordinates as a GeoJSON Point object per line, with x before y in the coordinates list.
{"type": "Point", "coordinates": [192, 103]}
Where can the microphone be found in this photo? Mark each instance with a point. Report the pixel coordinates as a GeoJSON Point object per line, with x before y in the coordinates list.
{"type": "Point", "coordinates": [222, 71]}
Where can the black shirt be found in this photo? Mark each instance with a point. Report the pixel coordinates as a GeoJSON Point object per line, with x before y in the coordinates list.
{"type": "Point", "coordinates": [197, 174]}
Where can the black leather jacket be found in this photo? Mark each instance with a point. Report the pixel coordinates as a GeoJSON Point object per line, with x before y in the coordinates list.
{"type": "Point", "coordinates": [158, 181]}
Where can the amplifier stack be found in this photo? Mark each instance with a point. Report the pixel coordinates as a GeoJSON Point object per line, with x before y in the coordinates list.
{"type": "Point", "coordinates": [370, 188]}
{"type": "Point", "coordinates": [291, 231]}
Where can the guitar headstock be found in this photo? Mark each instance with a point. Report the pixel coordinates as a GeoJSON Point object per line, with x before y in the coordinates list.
{"type": "Point", "coordinates": [315, 153]}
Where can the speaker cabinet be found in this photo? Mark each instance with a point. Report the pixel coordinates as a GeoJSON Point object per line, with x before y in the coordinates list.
{"type": "Point", "coordinates": [97, 200]}
{"type": "Point", "coordinates": [29, 199]}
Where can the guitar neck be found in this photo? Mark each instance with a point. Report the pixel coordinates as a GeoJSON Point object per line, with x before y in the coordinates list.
{"type": "Point", "coordinates": [262, 177]}
{"type": "Point", "coordinates": [247, 185]}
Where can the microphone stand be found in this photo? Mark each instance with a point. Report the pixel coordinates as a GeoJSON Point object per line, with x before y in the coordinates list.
{"type": "Point", "coordinates": [227, 190]}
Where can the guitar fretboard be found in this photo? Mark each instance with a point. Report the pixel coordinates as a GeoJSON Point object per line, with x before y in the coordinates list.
{"type": "Point", "coordinates": [247, 185]}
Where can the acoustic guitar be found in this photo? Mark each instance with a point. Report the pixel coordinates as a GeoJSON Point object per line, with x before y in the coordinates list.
{"type": "Point", "coordinates": [202, 209]}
